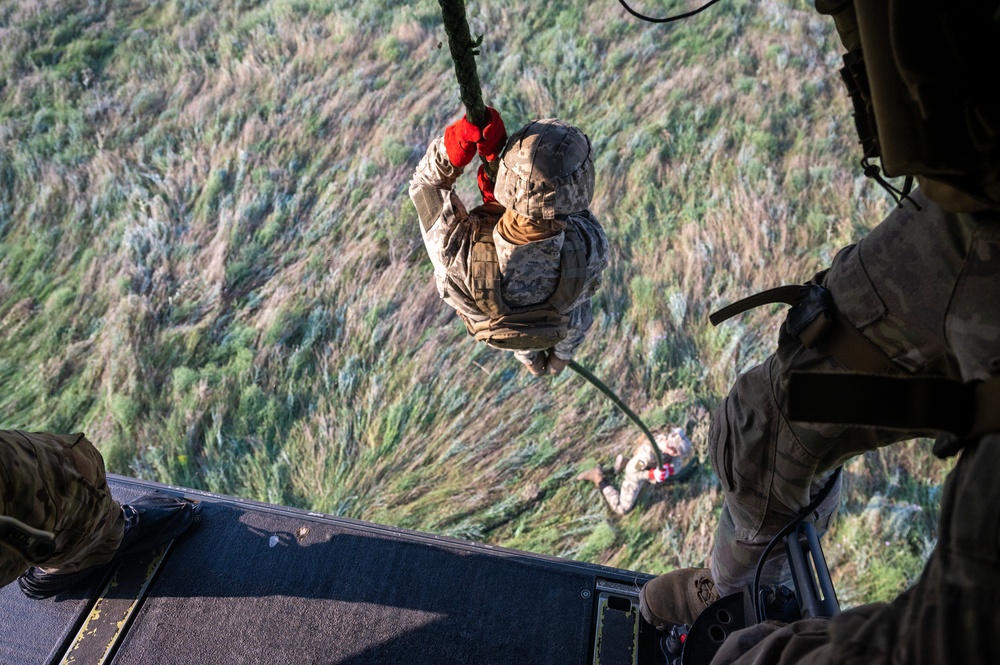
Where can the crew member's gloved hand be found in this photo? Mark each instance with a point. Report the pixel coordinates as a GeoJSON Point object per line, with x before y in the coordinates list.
{"type": "Point", "coordinates": [661, 474]}
{"type": "Point", "coordinates": [485, 185]}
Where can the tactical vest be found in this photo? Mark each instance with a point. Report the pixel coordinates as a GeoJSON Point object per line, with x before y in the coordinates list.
{"type": "Point", "coordinates": [535, 327]}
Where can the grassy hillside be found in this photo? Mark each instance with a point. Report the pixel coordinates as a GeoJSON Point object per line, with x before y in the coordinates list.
{"type": "Point", "coordinates": [209, 263]}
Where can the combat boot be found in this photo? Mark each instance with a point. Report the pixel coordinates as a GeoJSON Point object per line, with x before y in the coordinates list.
{"type": "Point", "coordinates": [556, 364]}
{"type": "Point", "coordinates": [595, 475]}
{"type": "Point", "coordinates": [677, 597]}
{"type": "Point", "coordinates": [150, 521]}
{"type": "Point", "coordinates": [537, 366]}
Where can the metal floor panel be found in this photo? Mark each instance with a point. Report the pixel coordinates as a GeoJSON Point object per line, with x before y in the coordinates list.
{"type": "Point", "coordinates": [257, 583]}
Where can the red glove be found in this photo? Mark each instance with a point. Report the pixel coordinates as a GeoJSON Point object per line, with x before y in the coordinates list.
{"type": "Point", "coordinates": [494, 136]}
{"type": "Point", "coordinates": [485, 185]}
{"type": "Point", "coordinates": [659, 475]}
{"type": "Point", "coordinates": [462, 139]}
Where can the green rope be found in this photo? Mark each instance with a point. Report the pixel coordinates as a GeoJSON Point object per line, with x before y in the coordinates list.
{"type": "Point", "coordinates": [585, 373]}
{"type": "Point", "coordinates": [463, 53]}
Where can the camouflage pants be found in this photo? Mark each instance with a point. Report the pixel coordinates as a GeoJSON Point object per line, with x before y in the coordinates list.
{"type": "Point", "coordinates": [951, 615]}
{"type": "Point", "coordinates": [57, 483]}
{"type": "Point", "coordinates": [923, 286]}
{"type": "Point", "coordinates": [623, 500]}
{"type": "Point", "coordinates": [580, 321]}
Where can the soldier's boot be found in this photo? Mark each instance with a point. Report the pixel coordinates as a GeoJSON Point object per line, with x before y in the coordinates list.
{"type": "Point", "coordinates": [595, 475]}
{"type": "Point", "coordinates": [150, 521]}
{"type": "Point", "coordinates": [537, 366]}
{"type": "Point", "coordinates": [556, 364]}
{"type": "Point", "coordinates": [677, 597]}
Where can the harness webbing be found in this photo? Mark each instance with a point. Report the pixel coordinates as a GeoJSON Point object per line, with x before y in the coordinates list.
{"type": "Point", "coordinates": [965, 410]}
{"type": "Point", "coordinates": [487, 281]}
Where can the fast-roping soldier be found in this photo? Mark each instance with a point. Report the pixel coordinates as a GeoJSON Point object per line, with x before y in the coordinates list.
{"type": "Point", "coordinates": [520, 269]}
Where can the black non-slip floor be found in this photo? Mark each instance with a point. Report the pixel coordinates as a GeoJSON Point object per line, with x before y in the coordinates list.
{"type": "Point", "coordinates": [253, 583]}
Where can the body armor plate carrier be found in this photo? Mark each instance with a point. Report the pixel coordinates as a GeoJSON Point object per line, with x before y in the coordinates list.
{"type": "Point", "coordinates": [540, 326]}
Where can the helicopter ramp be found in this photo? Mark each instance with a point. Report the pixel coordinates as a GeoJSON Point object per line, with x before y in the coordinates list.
{"type": "Point", "coordinates": [257, 583]}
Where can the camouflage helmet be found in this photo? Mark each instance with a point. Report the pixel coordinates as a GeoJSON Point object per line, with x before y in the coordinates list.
{"type": "Point", "coordinates": [547, 169]}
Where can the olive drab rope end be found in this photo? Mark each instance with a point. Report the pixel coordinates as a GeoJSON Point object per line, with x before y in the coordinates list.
{"type": "Point", "coordinates": [597, 383]}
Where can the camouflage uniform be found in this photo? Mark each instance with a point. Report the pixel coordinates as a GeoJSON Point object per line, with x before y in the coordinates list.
{"type": "Point", "coordinates": [922, 287]}
{"type": "Point", "coordinates": [949, 616]}
{"type": "Point", "coordinates": [57, 483]}
{"type": "Point", "coordinates": [530, 273]}
{"type": "Point", "coordinates": [623, 500]}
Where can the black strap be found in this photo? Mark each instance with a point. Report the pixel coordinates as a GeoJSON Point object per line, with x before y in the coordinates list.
{"type": "Point", "coordinates": [815, 320]}
{"type": "Point", "coordinates": [934, 404]}
{"type": "Point", "coordinates": [790, 295]}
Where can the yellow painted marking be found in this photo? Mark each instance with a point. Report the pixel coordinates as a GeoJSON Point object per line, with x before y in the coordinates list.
{"type": "Point", "coordinates": [91, 625]}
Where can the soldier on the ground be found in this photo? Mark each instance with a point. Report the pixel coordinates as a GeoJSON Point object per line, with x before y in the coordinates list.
{"type": "Point", "coordinates": [641, 469]}
{"type": "Point", "coordinates": [55, 485]}
{"type": "Point", "coordinates": [521, 268]}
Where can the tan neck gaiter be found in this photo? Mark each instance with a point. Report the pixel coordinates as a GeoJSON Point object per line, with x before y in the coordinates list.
{"type": "Point", "coordinates": [519, 230]}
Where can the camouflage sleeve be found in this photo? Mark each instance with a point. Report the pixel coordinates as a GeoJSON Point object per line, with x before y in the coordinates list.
{"type": "Point", "coordinates": [442, 215]}
{"type": "Point", "coordinates": [431, 187]}
{"type": "Point", "coordinates": [598, 252]}
{"type": "Point", "coordinates": [581, 317]}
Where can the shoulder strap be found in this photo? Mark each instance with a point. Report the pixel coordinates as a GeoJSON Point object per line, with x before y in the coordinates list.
{"type": "Point", "coordinates": [572, 270]}
{"type": "Point", "coordinates": [790, 295]}
{"type": "Point", "coordinates": [485, 272]}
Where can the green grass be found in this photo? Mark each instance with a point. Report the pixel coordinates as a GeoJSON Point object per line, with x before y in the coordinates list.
{"type": "Point", "coordinates": [208, 261]}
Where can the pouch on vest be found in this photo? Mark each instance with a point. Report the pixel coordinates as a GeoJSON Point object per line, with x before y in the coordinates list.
{"type": "Point", "coordinates": [535, 327]}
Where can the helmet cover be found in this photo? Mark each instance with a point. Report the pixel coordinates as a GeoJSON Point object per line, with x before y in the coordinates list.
{"type": "Point", "coordinates": [547, 169]}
